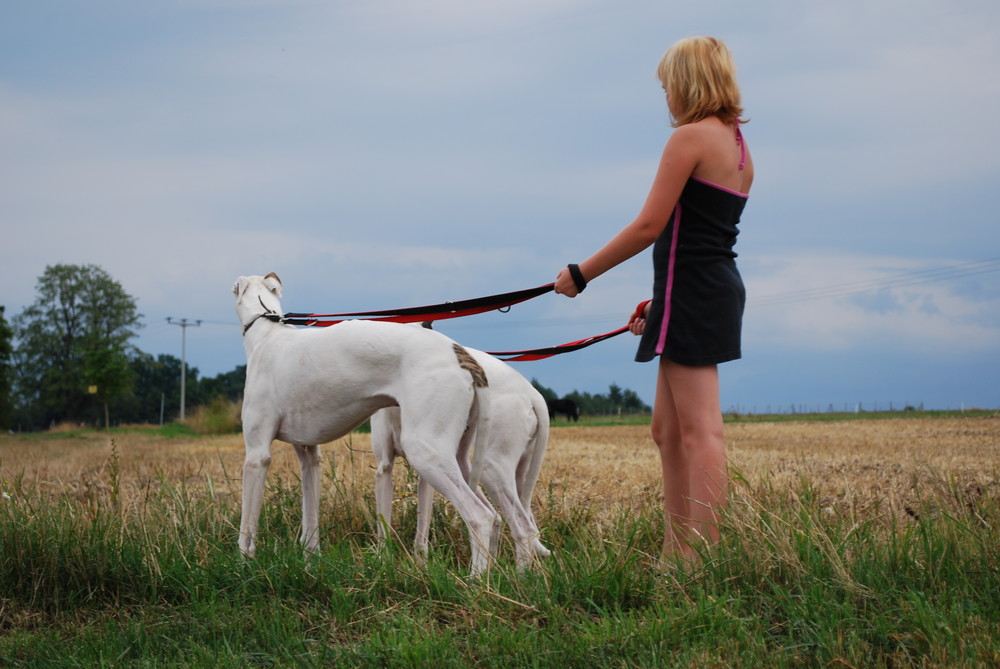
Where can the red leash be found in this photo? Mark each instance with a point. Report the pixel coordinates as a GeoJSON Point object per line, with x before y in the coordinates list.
{"type": "Point", "coordinates": [456, 310]}
{"type": "Point", "coordinates": [542, 353]}
{"type": "Point", "coordinates": [432, 312]}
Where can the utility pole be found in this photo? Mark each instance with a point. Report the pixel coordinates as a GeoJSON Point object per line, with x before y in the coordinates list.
{"type": "Point", "coordinates": [185, 324]}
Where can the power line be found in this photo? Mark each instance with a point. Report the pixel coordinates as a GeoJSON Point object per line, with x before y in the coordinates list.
{"type": "Point", "coordinates": [948, 273]}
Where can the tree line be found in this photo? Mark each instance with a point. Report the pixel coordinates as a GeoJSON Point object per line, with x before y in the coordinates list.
{"type": "Point", "coordinates": [68, 357]}
{"type": "Point", "coordinates": [618, 401]}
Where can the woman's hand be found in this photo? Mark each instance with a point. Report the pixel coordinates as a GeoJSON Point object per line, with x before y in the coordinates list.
{"type": "Point", "coordinates": [565, 285]}
{"type": "Point", "coordinates": [637, 321]}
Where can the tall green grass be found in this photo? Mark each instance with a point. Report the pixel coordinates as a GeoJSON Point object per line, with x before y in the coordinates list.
{"type": "Point", "coordinates": [155, 580]}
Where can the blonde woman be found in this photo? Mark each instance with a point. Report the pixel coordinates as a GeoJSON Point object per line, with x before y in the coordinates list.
{"type": "Point", "coordinates": [694, 319]}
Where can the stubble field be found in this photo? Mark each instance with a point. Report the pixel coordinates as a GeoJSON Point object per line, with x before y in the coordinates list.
{"type": "Point", "coordinates": [845, 543]}
{"type": "Point", "coordinates": [890, 464]}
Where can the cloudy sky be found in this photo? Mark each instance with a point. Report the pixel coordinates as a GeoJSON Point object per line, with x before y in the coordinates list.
{"type": "Point", "coordinates": [394, 153]}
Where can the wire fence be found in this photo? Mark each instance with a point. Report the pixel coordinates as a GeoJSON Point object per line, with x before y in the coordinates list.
{"type": "Point", "coordinates": [846, 407]}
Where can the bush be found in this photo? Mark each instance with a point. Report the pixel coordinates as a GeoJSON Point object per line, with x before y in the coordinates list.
{"type": "Point", "coordinates": [220, 416]}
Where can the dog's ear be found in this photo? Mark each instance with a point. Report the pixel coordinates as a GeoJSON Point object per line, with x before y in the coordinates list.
{"type": "Point", "coordinates": [236, 286]}
{"type": "Point", "coordinates": [273, 283]}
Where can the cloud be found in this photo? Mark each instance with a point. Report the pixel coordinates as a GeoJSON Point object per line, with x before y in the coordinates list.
{"type": "Point", "coordinates": [835, 302]}
{"type": "Point", "coordinates": [390, 153]}
{"type": "Point", "coordinates": [876, 95]}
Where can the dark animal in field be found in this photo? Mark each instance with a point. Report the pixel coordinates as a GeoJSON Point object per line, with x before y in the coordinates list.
{"type": "Point", "coordinates": [565, 407]}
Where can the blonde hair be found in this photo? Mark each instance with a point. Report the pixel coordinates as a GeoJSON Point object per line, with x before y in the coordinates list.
{"type": "Point", "coordinates": [699, 75]}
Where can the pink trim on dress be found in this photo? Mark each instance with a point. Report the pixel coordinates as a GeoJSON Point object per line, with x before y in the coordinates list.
{"type": "Point", "coordinates": [664, 326]}
{"type": "Point", "coordinates": [743, 162]}
{"type": "Point", "coordinates": [743, 146]}
{"type": "Point", "coordinates": [661, 343]}
{"type": "Point", "coordinates": [722, 188]}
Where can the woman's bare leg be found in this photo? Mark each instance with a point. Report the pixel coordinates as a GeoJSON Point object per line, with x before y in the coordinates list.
{"type": "Point", "coordinates": [673, 460]}
{"type": "Point", "coordinates": [687, 427]}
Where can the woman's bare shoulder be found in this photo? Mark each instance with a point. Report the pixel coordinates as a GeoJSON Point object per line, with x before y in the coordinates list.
{"type": "Point", "coordinates": [710, 127]}
{"type": "Point", "coordinates": [701, 134]}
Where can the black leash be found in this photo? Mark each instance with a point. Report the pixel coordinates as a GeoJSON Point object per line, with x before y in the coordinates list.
{"type": "Point", "coordinates": [432, 312]}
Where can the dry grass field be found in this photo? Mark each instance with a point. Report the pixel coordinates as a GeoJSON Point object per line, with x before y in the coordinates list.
{"type": "Point", "coordinates": [854, 465]}
{"type": "Point", "coordinates": [849, 543]}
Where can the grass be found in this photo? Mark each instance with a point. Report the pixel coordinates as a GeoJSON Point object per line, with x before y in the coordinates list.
{"type": "Point", "coordinates": [788, 586]}
{"type": "Point", "coordinates": [130, 567]}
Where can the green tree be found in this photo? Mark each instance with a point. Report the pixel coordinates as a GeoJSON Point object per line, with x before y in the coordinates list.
{"type": "Point", "coordinates": [154, 389]}
{"type": "Point", "coordinates": [74, 338]}
{"type": "Point", "coordinates": [633, 404]}
{"type": "Point", "coordinates": [615, 398]}
{"type": "Point", "coordinates": [547, 393]}
{"type": "Point", "coordinates": [106, 372]}
{"type": "Point", "coordinates": [228, 385]}
{"type": "Point", "coordinates": [618, 400]}
{"type": "Point", "coordinates": [6, 372]}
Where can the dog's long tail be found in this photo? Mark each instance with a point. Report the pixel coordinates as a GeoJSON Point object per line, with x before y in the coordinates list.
{"type": "Point", "coordinates": [479, 420]}
{"type": "Point", "coordinates": [479, 412]}
{"type": "Point", "coordinates": [527, 474]}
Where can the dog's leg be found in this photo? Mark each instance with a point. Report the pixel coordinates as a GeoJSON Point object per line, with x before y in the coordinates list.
{"type": "Point", "coordinates": [502, 489]}
{"type": "Point", "coordinates": [508, 440]}
{"type": "Point", "coordinates": [530, 464]}
{"type": "Point", "coordinates": [446, 477]}
{"type": "Point", "coordinates": [525, 487]}
{"type": "Point", "coordinates": [255, 466]}
{"type": "Point", "coordinates": [512, 439]}
{"type": "Point", "coordinates": [309, 461]}
{"type": "Point", "coordinates": [425, 508]}
{"type": "Point", "coordinates": [384, 440]}
{"type": "Point", "coordinates": [465, 467]}
{"type": "Point", "coordinates": [383, 497]}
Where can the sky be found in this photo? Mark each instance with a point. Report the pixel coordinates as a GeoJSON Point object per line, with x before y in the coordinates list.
{"type": "Point", "coordinates": [395, 153]}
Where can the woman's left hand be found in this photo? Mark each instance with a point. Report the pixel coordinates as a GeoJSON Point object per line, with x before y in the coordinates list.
{"type": "Point", "coordinates": [637, 321]}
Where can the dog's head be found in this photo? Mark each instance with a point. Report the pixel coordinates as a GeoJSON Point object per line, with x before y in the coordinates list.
{"type": "Point", "coordinates": [256, 295]}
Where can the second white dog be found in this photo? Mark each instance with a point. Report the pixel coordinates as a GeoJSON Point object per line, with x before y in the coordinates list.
{"type": "Point", "coordinates": [518, 438]}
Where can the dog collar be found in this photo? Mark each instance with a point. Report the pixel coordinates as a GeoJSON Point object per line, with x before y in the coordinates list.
{"type": "Point", "coordinates": [274, 318]}
{"type": "Point", "coordinates": [270, 315]}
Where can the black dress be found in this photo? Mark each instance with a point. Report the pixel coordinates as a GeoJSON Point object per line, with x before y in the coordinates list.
{"type": "Point", "coordinates": [697, 310]}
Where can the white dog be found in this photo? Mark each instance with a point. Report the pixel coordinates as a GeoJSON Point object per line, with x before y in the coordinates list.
{"type": "Point", "coordinates": [518, 437]}
{"type": "Point", "coordinates": [313, 385]}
